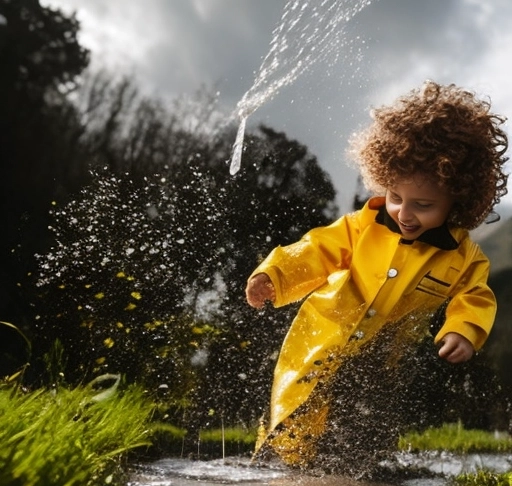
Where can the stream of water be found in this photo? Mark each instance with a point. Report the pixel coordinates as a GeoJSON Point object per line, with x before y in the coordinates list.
{"type": "Point", "coordinates": [438, 467]}
{"type": "Point", "coordinates": [308, 32]}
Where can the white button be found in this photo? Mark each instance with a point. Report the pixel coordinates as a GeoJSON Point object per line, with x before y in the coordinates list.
{"type": "Point", "coordinates": [392, 272]}
{"type": "Point", "coordinates": [371, 313]}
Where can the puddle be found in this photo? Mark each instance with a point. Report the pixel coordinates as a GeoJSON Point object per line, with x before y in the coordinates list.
{"type": "Point", "coordinates": [448, 464]}
{"type": "Point", "coordinates": [175, 471]}
{"type": "Point", "coordinates": [184, 472]}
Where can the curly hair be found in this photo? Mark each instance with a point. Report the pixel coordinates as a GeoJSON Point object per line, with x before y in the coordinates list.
{"type": "Point", "coordinates": [447, 135]}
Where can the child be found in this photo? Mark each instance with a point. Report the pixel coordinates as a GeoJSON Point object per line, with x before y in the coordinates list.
{"type": "Point", "coordinates": [434, 160]}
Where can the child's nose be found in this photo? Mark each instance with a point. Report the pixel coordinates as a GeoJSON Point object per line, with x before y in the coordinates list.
{"type": "Point", "coordinates": [404, 214]}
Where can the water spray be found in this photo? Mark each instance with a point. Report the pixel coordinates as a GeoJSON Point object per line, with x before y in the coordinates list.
{"type": "Point", "coordinates": [308, 33]}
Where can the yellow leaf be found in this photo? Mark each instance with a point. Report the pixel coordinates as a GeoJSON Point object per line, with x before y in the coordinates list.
{"type": "Point", "coordinates": [109, 342]}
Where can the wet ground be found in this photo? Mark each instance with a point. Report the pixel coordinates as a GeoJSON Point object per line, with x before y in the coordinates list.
{"type": "Point", "coordinates": [438, 468]}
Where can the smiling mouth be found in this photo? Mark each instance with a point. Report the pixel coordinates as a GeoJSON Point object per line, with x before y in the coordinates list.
{"type": "Point", "coordinates": [408, 228]}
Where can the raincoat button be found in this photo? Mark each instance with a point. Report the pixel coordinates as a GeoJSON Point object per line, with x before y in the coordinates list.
{"type": "Point", "coordinates": [392, 272]}
{"type": "Point", "coordinates": [371, 313]}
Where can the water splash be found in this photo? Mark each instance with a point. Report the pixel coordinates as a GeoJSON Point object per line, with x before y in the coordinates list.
{"type": "Point", "coordinates": [309, 32]}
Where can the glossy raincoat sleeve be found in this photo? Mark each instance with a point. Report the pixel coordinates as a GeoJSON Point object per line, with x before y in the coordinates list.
{"type": "Point", "coordinates": [298, 269]}
{"type": "Point", "coordinates": [472, 309]}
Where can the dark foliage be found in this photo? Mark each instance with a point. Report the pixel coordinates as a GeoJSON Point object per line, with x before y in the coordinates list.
{"type": "Point", "coordinates": [40, 58]}
{"type": "Point", "coordinates": [147, 277]}
{"type": "Point", "coordinates": [498, 345]}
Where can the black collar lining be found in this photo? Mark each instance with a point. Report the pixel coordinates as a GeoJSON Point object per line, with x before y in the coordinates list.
{"type": "Point", "coordinates": [439, 237]}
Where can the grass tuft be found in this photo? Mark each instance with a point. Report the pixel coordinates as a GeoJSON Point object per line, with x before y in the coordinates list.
{"type": "Point", "coordinates": [454, 438]}
{"type": "Point", "coordinates": [483, 478]}
{"type": "Point", "coordinates": [66, 438]}
{"type": "Point", "coordinates": [229, 434]}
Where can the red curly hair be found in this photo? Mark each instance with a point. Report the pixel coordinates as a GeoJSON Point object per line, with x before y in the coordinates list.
{"type": "Point", "coordinates": [446, 134]}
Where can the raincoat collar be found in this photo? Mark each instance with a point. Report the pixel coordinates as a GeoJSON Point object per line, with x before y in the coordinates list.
{"type": "Point", "coordinates": [439, 237]}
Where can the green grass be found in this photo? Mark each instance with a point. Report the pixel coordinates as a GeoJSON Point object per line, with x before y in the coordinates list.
{"type": "Point", "coordinates": [454, 438]}
{"type": "Point", "coordinates": [449, 437]}
{"type": "Point", "coordinates": [68, 437]}
{"type": "Point", "coordinates": [483, 478]}
{"type": "Point", "coordinates": [229, 434]}
{"type": "Point", "coordinates": [82, 437]}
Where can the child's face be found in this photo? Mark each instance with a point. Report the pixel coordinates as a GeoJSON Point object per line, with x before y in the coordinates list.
{"type": "Point", "coordinates": [417, 205]}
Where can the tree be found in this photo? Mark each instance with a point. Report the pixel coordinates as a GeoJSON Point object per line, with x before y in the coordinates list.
{"type": "Point", "coordinates": [41, 59]}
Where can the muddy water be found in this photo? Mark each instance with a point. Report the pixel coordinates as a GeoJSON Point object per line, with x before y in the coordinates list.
{"type": "Point", "coordinates": [185, 472]}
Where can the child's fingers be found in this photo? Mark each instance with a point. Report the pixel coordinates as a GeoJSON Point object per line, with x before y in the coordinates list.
{"type": "Point", "coordinates": [259, 289]}
{"type": "Point", "coordinates": [254, 298]}
{"type": "Point", "coordinates": [455, 348]}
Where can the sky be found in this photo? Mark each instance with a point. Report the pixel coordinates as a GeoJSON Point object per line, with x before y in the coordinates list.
{"type": "Point", "coordinates": [174, 47]}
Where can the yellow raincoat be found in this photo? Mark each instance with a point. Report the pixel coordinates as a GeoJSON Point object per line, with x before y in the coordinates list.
{"type": "Point", "coordinates": [359, 274]}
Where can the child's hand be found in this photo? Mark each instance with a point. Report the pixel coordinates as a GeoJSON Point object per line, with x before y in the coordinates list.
{"type": "Point", "coordinates": [260, 289]}
{"type": "Point", "coordinates": [455, 348]}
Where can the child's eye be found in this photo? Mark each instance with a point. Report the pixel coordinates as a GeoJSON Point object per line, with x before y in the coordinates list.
{"type": "Point", "coordinates": [424, 205]}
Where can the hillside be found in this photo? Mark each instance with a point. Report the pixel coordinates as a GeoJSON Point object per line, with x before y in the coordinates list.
{"type": "Point", "coordinates": [497, 245]}
{"type": "Point", "coordinates": [496, 241]}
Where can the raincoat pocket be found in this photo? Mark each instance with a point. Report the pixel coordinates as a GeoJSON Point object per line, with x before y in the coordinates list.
{"type": "Point", "coordinates": [434, 286]}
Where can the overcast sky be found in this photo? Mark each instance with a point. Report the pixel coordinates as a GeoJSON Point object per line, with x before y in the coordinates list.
{"type": "Point", "coordinates": [173, 47]}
